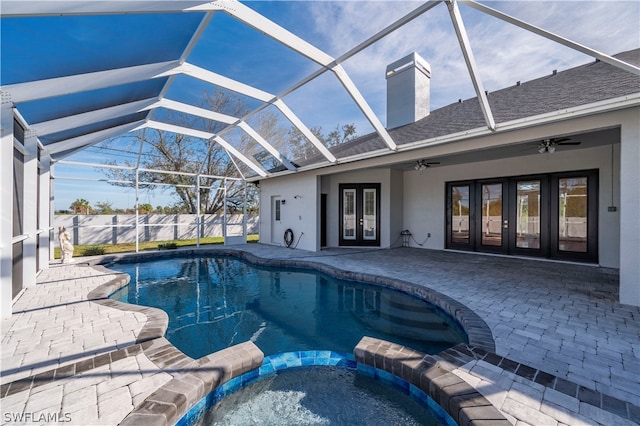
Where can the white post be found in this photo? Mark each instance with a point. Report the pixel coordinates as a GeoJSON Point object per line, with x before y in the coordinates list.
{"type": "Point", "coordinates": [197, 210]}
{"type": "Point", "coordinates": [30, 210]}
{"type": "Point", "coordinates": [6, 206]}
{"type": "Point", "coordinates": [224, 212]}
{"type": "Point", "coordinates": [137, 214]}
{"type": "Point", "coordinates": [244, 213]}
{"type": "Point", "coordinates": [629, 208]}
{"type": "Point", "coordinates": [52, 211]}
{"type": "Point", "coordinates": [45, 211]}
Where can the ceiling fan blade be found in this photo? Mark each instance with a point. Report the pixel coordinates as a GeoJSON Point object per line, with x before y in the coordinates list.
{"type": "Point", "coordinates": [559, 140]}
{"type": "Point", "coordinates": [569, 143]}
{"type": "Point", "coordinates": [432, 162]}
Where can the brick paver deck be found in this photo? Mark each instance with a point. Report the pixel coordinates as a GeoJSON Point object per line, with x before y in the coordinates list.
{"type": "Point", "coordinates": [565, 351]}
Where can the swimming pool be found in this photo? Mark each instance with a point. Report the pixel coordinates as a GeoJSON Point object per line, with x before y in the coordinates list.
{"type": "Point", "coordinates": [214, 302]}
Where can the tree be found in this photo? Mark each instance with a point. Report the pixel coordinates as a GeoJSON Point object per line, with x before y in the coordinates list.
{"type": "Point", "coordinates": [81, 206]}
{"type": "Point", "coordinates": [302, 149]}
{"type": "Point", "coordinates": [340, 135]}
{"type": "Point", "coordinates": [167, 151]}
{"type": "Point", "coordinates": [179, 153]}
{"type": "Point", "coordinates": [145, 208]}
{"type": "Point", "coordinates": [104, 207]}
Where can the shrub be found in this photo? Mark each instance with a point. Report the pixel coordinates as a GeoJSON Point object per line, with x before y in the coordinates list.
{"type": "Point", "coordinates": [167, 246]}
{"type": "Point", "coordinates": [93, 251]}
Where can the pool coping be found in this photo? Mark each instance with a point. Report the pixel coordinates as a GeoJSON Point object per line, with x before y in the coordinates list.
{"type": "Point", "coordinates": [172, 400]}
{"type": "Point", "coordinates": [433, 375]}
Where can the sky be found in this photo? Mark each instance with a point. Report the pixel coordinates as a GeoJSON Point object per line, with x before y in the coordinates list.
{"type": "Point", "coordinates": [504, 54]}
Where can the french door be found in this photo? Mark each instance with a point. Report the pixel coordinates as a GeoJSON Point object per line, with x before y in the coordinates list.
{"type": "Point", "coordinates": [360, 214]}
{"type": "Point", "coordinates": [551, 215]}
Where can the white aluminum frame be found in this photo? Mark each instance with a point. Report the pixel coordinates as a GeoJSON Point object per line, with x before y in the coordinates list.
{"type": "Point", "coordinates": [34, 90]}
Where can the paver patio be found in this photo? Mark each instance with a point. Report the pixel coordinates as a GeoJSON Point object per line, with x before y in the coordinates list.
{"type": "Point", "coordinates": [565, 351]}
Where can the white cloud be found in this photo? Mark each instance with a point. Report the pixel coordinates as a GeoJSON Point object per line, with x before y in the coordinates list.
{"type": "Point", "coordinates": [504, 53]}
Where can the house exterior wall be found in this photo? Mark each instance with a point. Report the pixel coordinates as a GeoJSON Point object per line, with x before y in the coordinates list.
{"type": "Point", "coordinates": [630, 208]}
{"type": "Point", "coordinates": [424, 192]}
{"type": "Point", "coordinates": [416, 201]}
{"type": "Point", "coordinates": [301, 214]}
{"type": "Point", "coordinates": [396, 206]}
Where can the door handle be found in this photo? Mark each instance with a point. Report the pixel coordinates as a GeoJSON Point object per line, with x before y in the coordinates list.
{"type": "Point", "coordinates": [505, 224]}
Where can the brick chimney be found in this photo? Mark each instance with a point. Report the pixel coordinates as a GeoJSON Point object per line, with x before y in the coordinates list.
{"type": "Point", "coordinates": [408, 90]}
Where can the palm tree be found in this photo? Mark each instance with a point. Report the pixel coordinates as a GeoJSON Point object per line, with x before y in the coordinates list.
{"type": "Point", "coordinates": [81, 206]}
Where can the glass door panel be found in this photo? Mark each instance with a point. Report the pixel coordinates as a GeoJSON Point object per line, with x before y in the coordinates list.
{"type": "Point", "coordinates": [460, 214]}
{"type": "Point", "coordinates": [360, 211]}
{"type": "Point", "coordinates": [492, 214]}
{"type": "Point", "coordinates": [349, 214]}
{"type": "Point", "coordinates": [369, 228]}
{"type": "Point", "coordinates": [548, 215]}
{"type": "Point", "coordinates": [528, 214]}
{"type": "Point", "coordinates": [277, 229]}
{"type": "Point", "coordinates": [572, 214]}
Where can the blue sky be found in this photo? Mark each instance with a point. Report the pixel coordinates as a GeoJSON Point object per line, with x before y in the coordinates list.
{"type": "Point", "coordinates": [504, 54]}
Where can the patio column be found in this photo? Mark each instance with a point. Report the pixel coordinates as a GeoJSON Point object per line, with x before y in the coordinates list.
{"type": "Point", "coordinates": [6, 206]}
{"type": "Point", "coordinates": [629, 209]}
{"type": "Point", "coordinates": [30, 210]}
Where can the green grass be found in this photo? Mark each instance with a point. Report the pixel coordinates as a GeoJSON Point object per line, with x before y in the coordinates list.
{"type": "Point", "coordinates": [91, 250]}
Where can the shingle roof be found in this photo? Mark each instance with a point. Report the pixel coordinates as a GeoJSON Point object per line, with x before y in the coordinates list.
{"type": "Point", "coordinates": [585, 84]}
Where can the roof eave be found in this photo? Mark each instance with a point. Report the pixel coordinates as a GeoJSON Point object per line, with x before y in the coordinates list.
{"type": "Point", "coordinates": [608, 105]}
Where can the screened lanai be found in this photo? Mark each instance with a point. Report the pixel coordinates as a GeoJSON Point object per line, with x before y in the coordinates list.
{"type": "Point", "coordinates": [103, 100]}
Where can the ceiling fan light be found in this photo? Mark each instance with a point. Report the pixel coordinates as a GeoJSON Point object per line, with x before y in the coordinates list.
{"type": "Point", "coordinates": [542, 149]}
{"type": "Point", "coordinates": [551, 149]}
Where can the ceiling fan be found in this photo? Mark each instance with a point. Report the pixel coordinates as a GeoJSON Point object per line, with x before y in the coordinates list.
{"type": "Point", "coordinates": [549, 145]}
{"type": "Point", "coordinates": [424, 164]}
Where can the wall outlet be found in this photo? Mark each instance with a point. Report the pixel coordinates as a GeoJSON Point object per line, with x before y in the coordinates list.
{"type": "Point", "coordinates": [612, 208]}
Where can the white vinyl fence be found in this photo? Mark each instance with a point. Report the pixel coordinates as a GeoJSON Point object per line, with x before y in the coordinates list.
{"type": "Point", "coordinates": [115, 229]}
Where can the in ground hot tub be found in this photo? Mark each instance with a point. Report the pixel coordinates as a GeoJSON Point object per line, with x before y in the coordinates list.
{"type": "Point", "coordinates": [316, 388]}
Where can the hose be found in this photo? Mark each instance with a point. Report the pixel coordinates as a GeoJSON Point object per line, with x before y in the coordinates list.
{"type": "Point", "coordinates": [288, 237]}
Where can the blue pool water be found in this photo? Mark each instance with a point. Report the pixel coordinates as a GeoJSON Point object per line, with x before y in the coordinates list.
{"type": "Point", "coordinates": [216, 302]}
